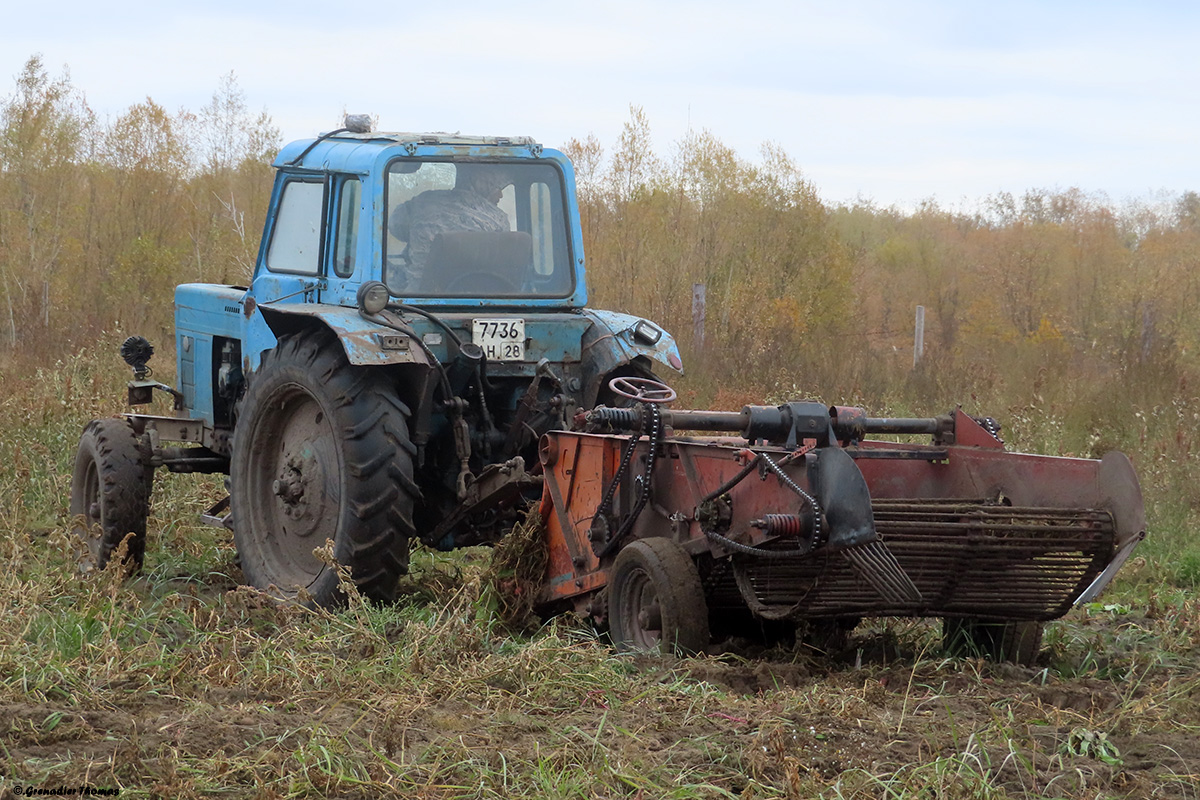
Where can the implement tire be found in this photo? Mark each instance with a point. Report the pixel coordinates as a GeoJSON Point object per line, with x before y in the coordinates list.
{"type": "Point", "coordinates": [656, 601]}
{"type": "Point", "coordinates": [321, 450]}
{"type": "Point", "coordinates": [110, 494]}
{"type": "Point", "coordinates": [1016, 642]}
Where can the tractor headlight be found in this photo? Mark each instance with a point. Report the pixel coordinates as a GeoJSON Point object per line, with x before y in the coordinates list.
{"type": "Point", "coordinates": [645, 333]}
{"type": "Point", "coordinates": [372, 297]}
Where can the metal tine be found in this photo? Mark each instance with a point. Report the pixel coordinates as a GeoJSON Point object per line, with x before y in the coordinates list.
{"type": "Point", "coordinates": [876, 564]}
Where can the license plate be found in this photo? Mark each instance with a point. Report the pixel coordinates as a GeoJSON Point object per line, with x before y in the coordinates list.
{"type": "Point", "coordinates": [501, 339]}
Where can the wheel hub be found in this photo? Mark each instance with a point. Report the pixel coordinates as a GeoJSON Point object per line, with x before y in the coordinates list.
{"type": "Point", "coordinates": [289, 487]}
{"type": "Point", "coordinates": [300, 490]}
{"type": "Point", "coordinates": [643, 611]}
{"type": "Point", "coordinates": [650, 618]}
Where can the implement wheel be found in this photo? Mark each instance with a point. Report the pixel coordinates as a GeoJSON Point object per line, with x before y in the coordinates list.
{"type": "Point", "coordinates": [1017, 642]}
{"type": "Point", "coordinates": [321, 450]}
{"type": "Point", "coordinates": [110, 493]}
{"type": "Point", "coordinates": [655, 600]}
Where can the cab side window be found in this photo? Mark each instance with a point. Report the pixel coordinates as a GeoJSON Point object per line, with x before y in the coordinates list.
{"type": "Point", "coordinates": [346, 233]}
{"type": "Point", "coordinates": [296, 237]}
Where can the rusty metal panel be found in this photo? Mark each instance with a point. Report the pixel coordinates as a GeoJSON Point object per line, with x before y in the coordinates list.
{"type": "Point", "coordinates": [577, 468]}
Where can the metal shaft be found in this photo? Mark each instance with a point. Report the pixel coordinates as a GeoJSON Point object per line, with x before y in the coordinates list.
{"type": "Point", "coordinates": [806, 420]}
{"type": "Point", "coordinates": [730, 421]}
{"type": "Point", "coordinates": [914, 425]}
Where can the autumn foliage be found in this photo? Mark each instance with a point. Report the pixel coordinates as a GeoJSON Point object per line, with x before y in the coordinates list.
{"type": "Point", "coordinates": [99, 220]}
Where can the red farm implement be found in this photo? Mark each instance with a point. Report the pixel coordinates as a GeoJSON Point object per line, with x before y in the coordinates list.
{"type": "Point", "coordinates": [795, 515]}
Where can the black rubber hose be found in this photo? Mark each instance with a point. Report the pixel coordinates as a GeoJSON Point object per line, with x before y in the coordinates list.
{"type": "Point", "coordinates": [420, 312]}
{"type": "Point", "coordinates": [734, 481]}
{"type": "Point", "coordinates": [751, 550]}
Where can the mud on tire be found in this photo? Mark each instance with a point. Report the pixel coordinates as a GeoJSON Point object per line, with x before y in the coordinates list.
{"type": "Point", "coordinates": [656, 600]}
{"type": "Point", "coordinates": [110, 493]}
{"type": "Point", "coordinates": [321, 450]}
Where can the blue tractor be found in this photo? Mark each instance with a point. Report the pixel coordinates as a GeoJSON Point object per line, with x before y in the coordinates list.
{"type": "Point", "coordinates": [417, 320]}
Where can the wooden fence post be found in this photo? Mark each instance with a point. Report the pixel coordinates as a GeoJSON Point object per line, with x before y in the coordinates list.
{"type": "Point", "coordinates": [919, 337]}
{"type": "Point", "coordinates": [698, 313]}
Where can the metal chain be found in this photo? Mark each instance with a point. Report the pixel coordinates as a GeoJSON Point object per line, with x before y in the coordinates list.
{"type": "Point", "coordinates": [644, 495]}
{"type": "Point", "coordinates": [605, 507]}
{"type": "Point", "coordinates": [808, 498]}
{"type": "Point", "coordinates": [759, 552]}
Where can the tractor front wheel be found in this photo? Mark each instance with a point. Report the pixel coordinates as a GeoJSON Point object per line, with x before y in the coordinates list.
{"type": "Point", "coordinates": [655, 599]}
{"type": "Point", "coordinates": [321, 451]}
{"type": "Point", "coordinates": [110, 494]}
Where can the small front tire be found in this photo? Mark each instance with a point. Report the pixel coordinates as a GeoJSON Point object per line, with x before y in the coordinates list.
{"type": "Point", "coordinates": [110, 494]}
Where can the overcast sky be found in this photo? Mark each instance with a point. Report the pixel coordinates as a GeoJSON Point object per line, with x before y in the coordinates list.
{"type": "Point", "coordinates": [895, 102]}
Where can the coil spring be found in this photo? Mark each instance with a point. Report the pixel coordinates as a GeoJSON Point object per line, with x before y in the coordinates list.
{"type": "Point", "coordinates": [789, 525]}
{"type": "Point", "coordinates": [627, 419]}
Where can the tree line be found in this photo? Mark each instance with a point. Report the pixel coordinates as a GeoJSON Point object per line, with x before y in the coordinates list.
{"type": "Point", "coordinates": [1058, 280]}
{"type": "Point", "coordinates": [1055, 297]}
{"type": "Point", "coordinates": [100, 219]}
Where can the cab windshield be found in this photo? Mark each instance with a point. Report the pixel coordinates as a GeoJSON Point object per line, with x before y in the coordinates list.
{"type": "Point", "coordinates": [476, 229]}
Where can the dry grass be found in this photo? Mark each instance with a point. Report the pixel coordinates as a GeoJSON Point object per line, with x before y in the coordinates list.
{"type": "Point", "coordinates": [179, 683]}
{"type": "Point", "coordinates": [518, 566]}
{"type": "Point", "coordinates": [185, 686]}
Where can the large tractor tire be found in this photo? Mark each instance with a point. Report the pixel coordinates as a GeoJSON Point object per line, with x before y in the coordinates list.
{"type": "Point", "coordinates": [321, 450]}
{"type": "Point", "coordinates": [656, 601]}
{"type": "Point", "coordinates": [110, 494]}
{"type": "Point", "coordinates": [1016, 642]}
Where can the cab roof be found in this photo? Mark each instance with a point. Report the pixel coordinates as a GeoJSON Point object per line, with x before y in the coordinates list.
{"type": "Point", "coordinates": [357, 152]}
{"type": "Point", "coordinates": [438, 137]}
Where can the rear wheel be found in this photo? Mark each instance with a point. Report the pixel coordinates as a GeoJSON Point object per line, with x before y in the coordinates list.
{"type": "Point", "coordinates": [321, 451]}
{"type": "Point", "coordinates": [655, 599]}
{"type": "Point", "coordinates": [1018, 642]}
{"type": "Point", "coordinates": [110, 494]}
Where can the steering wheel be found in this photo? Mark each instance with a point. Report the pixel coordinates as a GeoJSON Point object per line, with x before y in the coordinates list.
{"type": "Point", "coordinates": [642, 390]}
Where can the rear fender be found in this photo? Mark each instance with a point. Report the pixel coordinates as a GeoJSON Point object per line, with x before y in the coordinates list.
{"type": "Point", "coordinates": [365, 343]}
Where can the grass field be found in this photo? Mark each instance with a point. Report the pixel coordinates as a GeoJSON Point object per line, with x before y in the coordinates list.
{"type": "Point", "coordinates": [178, 683]}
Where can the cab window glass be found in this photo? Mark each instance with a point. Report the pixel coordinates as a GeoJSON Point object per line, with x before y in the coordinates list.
{"type": "Point", "coordinates": [477, 229]}
{"type": "Point", "coordinates": [541, 222]}
{"type": "Point", "coordinates": [346, 233]}
{"type": "Point", "coordinates": [296, 237]}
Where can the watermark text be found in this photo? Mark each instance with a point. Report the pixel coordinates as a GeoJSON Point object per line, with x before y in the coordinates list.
{"type": "Point", "coordinates": [64, 791]}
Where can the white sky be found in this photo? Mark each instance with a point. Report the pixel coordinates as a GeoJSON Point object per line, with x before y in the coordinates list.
{"type": "Point", "coordinates": [894, 102]}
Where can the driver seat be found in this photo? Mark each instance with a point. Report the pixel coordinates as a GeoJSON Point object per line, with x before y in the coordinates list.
{"type": "Point", "coordinates": [468, 263]}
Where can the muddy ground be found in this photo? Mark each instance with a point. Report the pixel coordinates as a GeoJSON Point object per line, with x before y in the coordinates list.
{"type": "Point", "coordinates": [422, 705]}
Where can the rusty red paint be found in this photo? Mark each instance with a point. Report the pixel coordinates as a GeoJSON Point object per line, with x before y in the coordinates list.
{"type": "Point", "coordinates": [981, 531]}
